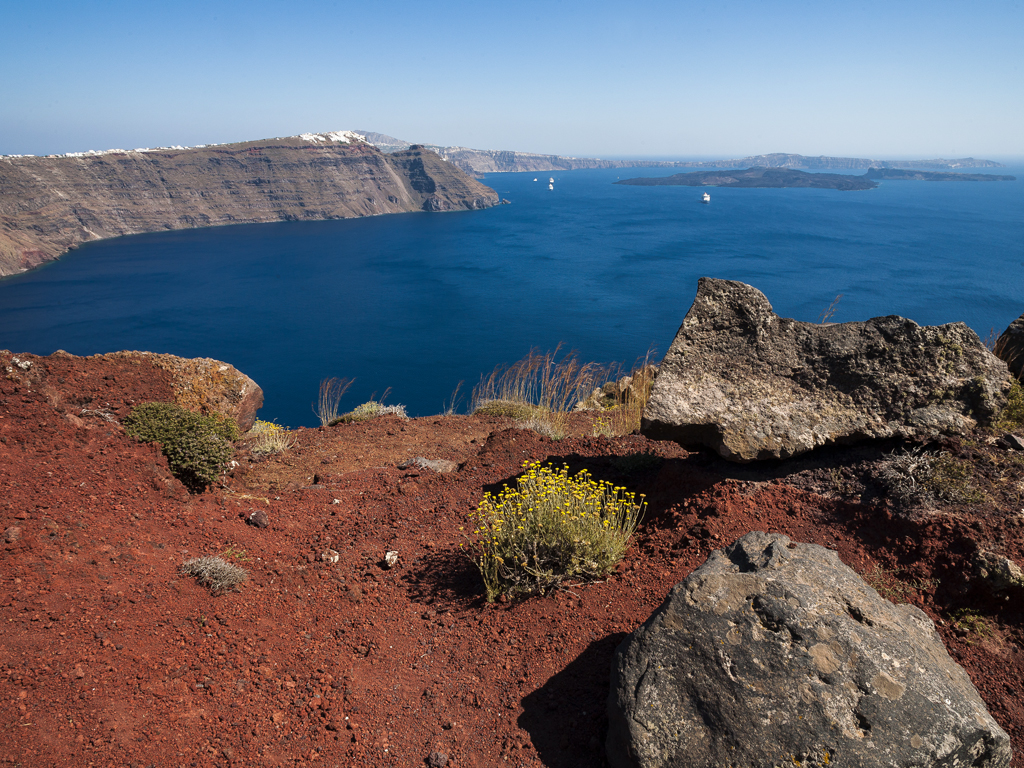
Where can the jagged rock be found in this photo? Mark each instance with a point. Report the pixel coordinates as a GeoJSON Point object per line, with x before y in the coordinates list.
{"type": "Point", "coordinates": [773, 653]}
{"type": "Point", "coordinates": [1010, 346]}
{"type": "Point", "coordinates": [752, 385]}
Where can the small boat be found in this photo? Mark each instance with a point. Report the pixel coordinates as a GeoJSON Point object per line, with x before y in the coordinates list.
{"type": "Point", "coordinates": [551, 186]}
{"type": "Point", "coordinates": [551, 180]}
{"type": "Point", "coordinates": [707, 198]}
{"type": "Point", "coordinates": [534, 179]}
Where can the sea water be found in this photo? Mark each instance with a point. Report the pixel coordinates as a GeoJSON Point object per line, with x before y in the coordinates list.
{"type": "Point", "coordinates": [413, 304]}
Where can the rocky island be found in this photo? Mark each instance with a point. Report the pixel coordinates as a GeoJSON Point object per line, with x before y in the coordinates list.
{"type": "Point", "coordinates": [779, 178]}
{"type": "Point", "coordinates": [770, 178]}
{"type": "Point", "coordinates": [51, 204]}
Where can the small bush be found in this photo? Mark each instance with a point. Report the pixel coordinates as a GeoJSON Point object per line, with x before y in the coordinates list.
{"type": "Point", "coordinates": [266, 438]}
{"type": "Point", "coordinates": [1011, 418]}
{"type": "Point", "coordinates": [549, 528]}
{"type": "Point", "coordinates": [197, 447]}
{"type": "Point", "coordinates": [914, 477]}
{"type": "Point", "coordinates": [214, 572]}
{"type": "Point", "coordinates": [968, 622]}
{"type": "Point", "coordinates": [370, 410]}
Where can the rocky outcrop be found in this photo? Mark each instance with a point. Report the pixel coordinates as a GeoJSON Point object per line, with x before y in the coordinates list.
{"type": "Point", "coordinates": [774, 653]}
{"type": "Point", "coordinates": [51, 204]}
{"type": "Point", "coordinates": [1009, 346]}
{"type": "Point", "coordinates": [752, 385]}
{"type": "Point", "coordinates": [206, 386]}
{"type": "Point", "coordinates": [88, 387]}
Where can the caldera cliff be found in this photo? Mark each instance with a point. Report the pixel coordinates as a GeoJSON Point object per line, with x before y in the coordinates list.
{"type": "Point", "coordinates": [51, 204]}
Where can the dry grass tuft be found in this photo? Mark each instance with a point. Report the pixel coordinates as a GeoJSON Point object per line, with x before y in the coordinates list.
{"type": "Point", "coordinates": [544, 387]}
{"type": "Point", "coordinates": [214, 572]}
{"type": "Point", "coordinates": [331, 392]}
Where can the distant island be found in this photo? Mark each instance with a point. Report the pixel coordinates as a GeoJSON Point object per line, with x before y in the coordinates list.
{"type": "Point", "coordinates": [480, 161]}
{"type": "Point", "coordinates": [893, 174]}
{"type": "Point", "coordinates": [778, 178]}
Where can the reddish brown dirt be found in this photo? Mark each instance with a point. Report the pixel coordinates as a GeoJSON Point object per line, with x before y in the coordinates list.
{"type": "Point", "coordinates": [111, 657]}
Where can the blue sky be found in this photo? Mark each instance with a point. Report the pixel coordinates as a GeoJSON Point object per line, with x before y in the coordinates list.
{"type": "Point", "coordinates": [891, 79]}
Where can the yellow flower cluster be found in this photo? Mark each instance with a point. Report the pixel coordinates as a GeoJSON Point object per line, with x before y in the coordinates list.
{"type": "Point", "coordinates": [551, 526]}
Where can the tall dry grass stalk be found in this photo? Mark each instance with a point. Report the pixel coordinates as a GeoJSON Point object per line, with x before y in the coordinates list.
{"type": "Point", "coordinates": [331, 392]}
{"type": "Point", "coordinates": [549, 387]}
{"type": "Point", "coordinates": [629, 395]}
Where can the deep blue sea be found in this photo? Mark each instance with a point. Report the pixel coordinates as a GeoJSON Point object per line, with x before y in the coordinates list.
{"type": "Point", "coordinates": [419, 302]}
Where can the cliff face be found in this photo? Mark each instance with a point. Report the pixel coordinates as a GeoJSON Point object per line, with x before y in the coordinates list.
{"type": "Point", "coordinates": [51, 204]}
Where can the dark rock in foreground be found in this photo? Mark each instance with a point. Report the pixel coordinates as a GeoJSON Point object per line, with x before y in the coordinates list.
{"type": "Point", "coordinates": [1010, 346]}
{"type": "Point", "coordinates": [752, 385]}
{"type": "Point", "coordinates": [774, 653]}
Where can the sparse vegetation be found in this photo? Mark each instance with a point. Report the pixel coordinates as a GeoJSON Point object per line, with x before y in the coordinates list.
{"type": "Point", "coordinates": [888, 583]}
{"type": "Point", "coordinates": [331, 392]}
{"type": "Point", "coordinates": [917, 477]}
{"type": "Point", "coordinates": [371, 410]}
{"type": "Point", "coordinates": [197, 447]}
{"type": "Point", "coordinates": [549, 528]}
{"type": "Point", "coordinates": [267, 438]}
{"type": "Point", "coordinates": [970, 624]}
{"type": "Point", "coordinates": [214, 572]}
{"type": "Point", "coordinates": [541, 389]}
{"type": "Point", "coordinates": [1011, 418]}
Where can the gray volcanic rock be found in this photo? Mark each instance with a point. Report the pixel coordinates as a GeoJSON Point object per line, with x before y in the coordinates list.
{"type": "Point", "coordinates": [51, 204]}
{"type": "Point", "coordinates": [752, 385]}
{"type": "Point", "coordinates": [773, 654]}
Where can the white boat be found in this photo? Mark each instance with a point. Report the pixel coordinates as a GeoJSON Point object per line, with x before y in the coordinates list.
{"type": "Point", "coordinates": [707, 198]}
{"type": "Point", "coordinates": [551, 186]}
{"type": "Point", "coordinates": [534, 179]}
{"type": "Point", "coordinates": [551, 180]}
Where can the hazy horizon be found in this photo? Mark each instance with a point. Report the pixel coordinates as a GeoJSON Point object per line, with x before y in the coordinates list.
{"type": "Point", "coordinates": [883, 80]}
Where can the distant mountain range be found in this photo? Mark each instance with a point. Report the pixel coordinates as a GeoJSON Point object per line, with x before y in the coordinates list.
{"type": "Point", "coordinates": [478, 161]}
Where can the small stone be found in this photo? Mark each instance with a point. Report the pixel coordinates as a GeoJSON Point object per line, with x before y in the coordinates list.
{"type": "Point", "coordinates": [1014, 441]}
{"type": "Point", "coordinates": [390, 559]}
{"type": "Point", "coordinates": [258, 518]}
{"type": "Point", "coordinates": [277, 717]}
{"type": "Point", "coordinates": [13, 534]}
{"type": "Point", "coordinates": [78, 672]}
{"type": "Point", "coordinates": [329, 556]}
{"type": "Point", "coordinates": [437, 760]}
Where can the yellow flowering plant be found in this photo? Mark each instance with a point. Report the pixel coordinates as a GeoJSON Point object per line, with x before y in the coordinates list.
{"type": "Point", "coordinates": [551, 527]}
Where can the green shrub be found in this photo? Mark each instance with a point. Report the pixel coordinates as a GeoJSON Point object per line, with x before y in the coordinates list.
{"type": "Point", "coordinates": [549, 528]}
{"type": "Point", "coordinates": [1011, 418]}
{"type": "Point", "coordinates": [197, 447]}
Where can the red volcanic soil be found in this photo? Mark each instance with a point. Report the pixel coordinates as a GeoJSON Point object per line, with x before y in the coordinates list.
{"type": "Point", "coordinates": [111, 657]}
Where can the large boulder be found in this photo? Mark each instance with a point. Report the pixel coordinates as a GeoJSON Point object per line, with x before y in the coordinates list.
{"type": "Point", "coordinates": [752, 385]}
{"type": "Point", "coordinates": [773, 653]}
